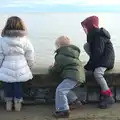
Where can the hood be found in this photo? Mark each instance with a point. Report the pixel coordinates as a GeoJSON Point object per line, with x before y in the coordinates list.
{"type": "Point", "coordinates": [14, 33]}
{"type": "Point", "coordinates": [71, 51]}
{"type": "Point", "coordinates": [98, 32]}
{"type": "Point", "coordinates": [103, 32]}
{"type": "Point", "coordinates": [90, 23]}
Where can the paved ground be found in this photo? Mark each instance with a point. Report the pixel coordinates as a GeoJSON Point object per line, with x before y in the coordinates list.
{"type": "Point", "coordinates": [44, 112]}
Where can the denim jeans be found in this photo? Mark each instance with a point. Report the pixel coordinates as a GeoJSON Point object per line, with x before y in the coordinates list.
{"type": "Point", "coordinates": [61, 98]}
{"type": "Point", "coordinates": [13, 90]}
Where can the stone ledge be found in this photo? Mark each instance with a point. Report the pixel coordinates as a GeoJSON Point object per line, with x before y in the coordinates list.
{"type": "Point", "coordinates": [41, 89]}
{"type": "Point", "coordinates": [39, 69]}
{"type": "Point", "coordinates": [90, 92]}
{"type": "Point", "coordinates": [41, 80]}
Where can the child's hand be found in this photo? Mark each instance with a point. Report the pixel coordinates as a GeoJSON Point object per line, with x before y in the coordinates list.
{"type": "Point", "coordinates": [50, 67]}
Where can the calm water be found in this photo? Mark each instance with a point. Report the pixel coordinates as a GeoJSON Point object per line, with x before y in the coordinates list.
{"type": "Point", "coordinates": [44, 28]}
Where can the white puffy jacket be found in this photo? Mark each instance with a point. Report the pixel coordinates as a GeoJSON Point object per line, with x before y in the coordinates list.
{"type": "Point", "coordinates": [16, 59]}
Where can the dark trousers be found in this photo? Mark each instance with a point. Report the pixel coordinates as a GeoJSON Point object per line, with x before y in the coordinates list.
{"type": "Point", "coordinates": [13, 90]}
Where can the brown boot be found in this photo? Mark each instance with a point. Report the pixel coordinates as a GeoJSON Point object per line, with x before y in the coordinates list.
{"type": "Point", "coordinates": [62, 114]}
{"type": "Point", "coordinates": [76, 104]}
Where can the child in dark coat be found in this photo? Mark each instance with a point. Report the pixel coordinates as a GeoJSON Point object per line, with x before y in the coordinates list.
{"type": "Point", "coordinates": [101, 52]}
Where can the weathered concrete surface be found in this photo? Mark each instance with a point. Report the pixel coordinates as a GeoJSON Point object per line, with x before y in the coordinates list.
{"type": "Point", "coordinates": [40, 69]}
{"type": "Point", "coordinates": [40, 79]}
{"type": "Point", "coordinates": [44, 112]}
{"type": "Point", "coordinates": [42, 88]}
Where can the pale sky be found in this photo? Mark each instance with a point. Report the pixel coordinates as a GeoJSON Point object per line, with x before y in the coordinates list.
{"type": "Point", "coordinates": [59, 5]}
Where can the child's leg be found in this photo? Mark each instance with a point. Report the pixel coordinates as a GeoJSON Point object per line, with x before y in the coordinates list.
{"type": "Point", "coordinates": [87, 48]}
{"type": "Point", "coordinates": [8, 88]}
{"type": "Point", "coordinates": [98, 74]}
{"type": "Point", "coordinates": [73, 100]}
{"type": "Point", "coordinates": [18, 93]}
{"type": "Point", "coordinates": [107, 99]}
{"type": "Point", "coordinates": [61, 94]}
{"type": "Point", "coordinates": [18, 96]}
{"type": "Point", "coordinates": [71, 96]}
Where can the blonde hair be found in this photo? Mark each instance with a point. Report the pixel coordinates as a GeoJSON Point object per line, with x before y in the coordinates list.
{"type": "Point", "coordinates": [13, 23]}
{"type": "Point", "coordinates": [62, 41]}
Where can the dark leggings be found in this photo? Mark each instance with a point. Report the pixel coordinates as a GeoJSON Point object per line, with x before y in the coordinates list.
{"type": "Point", "coordinates": [13, 90]}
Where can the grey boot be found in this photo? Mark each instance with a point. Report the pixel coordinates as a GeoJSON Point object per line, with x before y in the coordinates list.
{"type": "Point", "coordinates": [106, 101]}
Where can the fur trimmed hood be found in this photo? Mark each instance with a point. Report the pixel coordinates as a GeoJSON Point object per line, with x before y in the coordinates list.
{"type": "Point", "coordinates": [14, 33]}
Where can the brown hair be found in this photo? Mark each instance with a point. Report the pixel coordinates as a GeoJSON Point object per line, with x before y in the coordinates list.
{"type": "Point", "coordinates": [13, 23]}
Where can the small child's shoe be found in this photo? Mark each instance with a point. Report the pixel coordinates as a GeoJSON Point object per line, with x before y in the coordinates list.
{"type": "Point", "coordinates": [9, 105]}
{"type": "Point", "coordinates": [76, 104]}
{"type": "Point", "coordinates": [17, 105]}
{"type": "Point", "coordinates": [62, 114]}
{"type": "Point", "coordinates": [106, 102]}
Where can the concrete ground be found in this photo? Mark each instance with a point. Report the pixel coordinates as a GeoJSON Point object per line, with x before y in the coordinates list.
{"type": "Point", "coordinates": [44, 112]}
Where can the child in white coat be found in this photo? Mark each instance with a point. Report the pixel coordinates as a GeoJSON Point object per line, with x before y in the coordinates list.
{"type": "Point", "coordinates": [16, 59]}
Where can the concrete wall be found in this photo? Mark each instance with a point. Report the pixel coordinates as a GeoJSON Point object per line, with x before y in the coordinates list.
{"type": "Point", "coordinates": [41, 88]}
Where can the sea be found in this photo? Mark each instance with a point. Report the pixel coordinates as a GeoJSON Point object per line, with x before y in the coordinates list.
{"type": "Point", "coordinates": [45, 28]}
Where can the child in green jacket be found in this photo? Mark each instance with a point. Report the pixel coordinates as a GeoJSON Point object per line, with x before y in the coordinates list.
{"type": "Point", "coordinates": [69, 68]}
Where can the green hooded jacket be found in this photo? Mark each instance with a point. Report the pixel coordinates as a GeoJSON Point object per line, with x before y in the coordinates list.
{"type": "Point", "coordinates": [68, 65]}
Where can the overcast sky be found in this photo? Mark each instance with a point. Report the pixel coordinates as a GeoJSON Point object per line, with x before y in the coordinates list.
{"type": "Point", "coordinates": [59, 6]}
